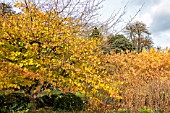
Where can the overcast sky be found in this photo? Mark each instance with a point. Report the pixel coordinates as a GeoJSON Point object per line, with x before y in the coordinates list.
{"type": "Point", "coordinates": [155, 14]}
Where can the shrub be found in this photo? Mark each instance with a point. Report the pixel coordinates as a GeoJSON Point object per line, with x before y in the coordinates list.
{"type": "Point", "coordinates": [69, 102]}
{"type": "Point", "coordinates": [145, 110]}
{"type": "Point", "coordinates": [13, 102]}
{"type": "Point", "coordinates": [45, 101]}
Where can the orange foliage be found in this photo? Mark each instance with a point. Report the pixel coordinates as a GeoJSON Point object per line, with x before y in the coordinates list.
{"type": "Point", "coordinates": [145, 76]}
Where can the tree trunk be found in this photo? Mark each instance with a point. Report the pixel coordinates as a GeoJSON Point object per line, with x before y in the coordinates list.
{"type": "Point", "coordinates": [32, 104]}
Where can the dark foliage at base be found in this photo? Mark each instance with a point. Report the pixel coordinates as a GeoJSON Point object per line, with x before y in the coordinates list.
{"type": "Point", "coordinates": [45, 101]}
{"type": "Point", "coordinates": [69, 102]}
{"type": "Point", "coordinates": [13, 102]}
{"type": "Point", "coordinates": [17, 102]}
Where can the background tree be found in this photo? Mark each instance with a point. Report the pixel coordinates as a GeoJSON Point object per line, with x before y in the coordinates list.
{"type": "Point", "coordinates": [95, 33]}
{"type": "Point", "coordinates": [139, 35]}
{"type": "Point", "coordinates": [120, 43]}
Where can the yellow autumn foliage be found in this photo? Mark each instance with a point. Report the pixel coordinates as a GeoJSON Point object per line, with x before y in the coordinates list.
{"type": "Point", "coordinates": [39, 48]}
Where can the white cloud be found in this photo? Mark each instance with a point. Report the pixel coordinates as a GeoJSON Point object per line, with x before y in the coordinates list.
{"type": "Point", "coordinates": [162, 39]}
{"type": "Point", "coordinates": [160, 16]}
{"type": "Point", "coordinates": [156, 17]}
{"type": "Point", "coordinates": [145, 18]}
{"type": "Point", "coordinates": [161, 7]}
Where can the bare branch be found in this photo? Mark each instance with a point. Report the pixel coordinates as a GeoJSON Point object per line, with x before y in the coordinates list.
{"type": "Point", "coordinates": [131, 19]}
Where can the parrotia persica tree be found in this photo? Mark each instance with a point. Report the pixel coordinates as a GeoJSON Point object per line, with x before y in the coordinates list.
{"type": "Point", "coordinates": [41, 49]}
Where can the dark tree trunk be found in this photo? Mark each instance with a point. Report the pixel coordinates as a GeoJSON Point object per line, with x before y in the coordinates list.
{"type": "Point", "coordinates": [32, 104]}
